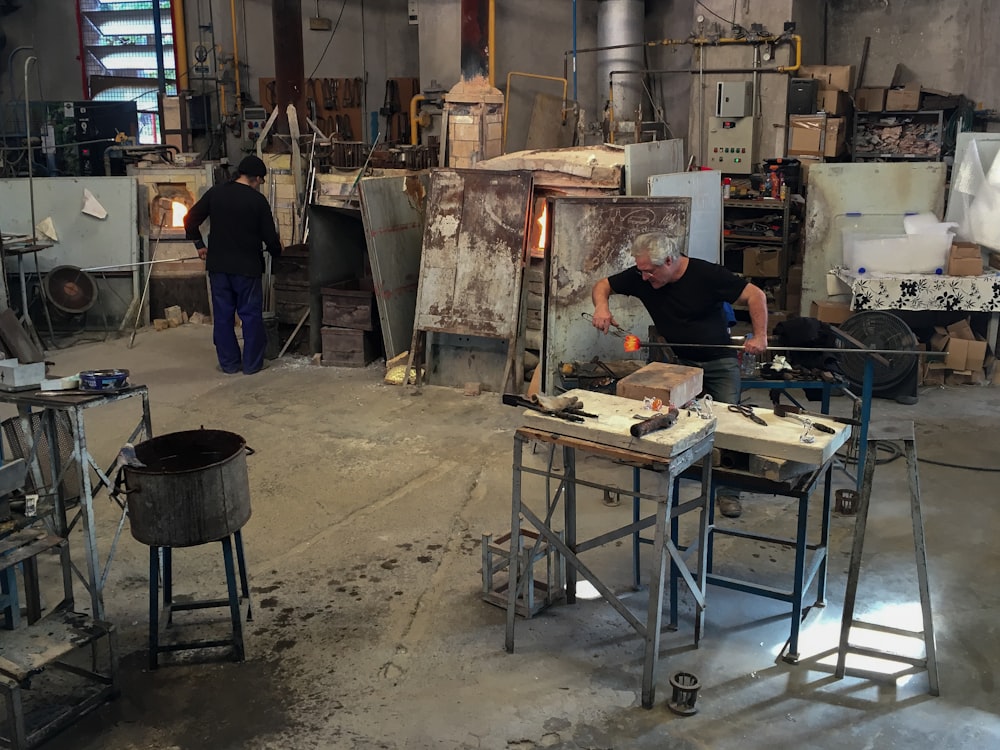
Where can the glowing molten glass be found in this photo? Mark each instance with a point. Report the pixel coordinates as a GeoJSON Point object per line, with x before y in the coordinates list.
{"type": "Point", "coordinates": [178, 212]}
{"type": "Point", "coordinates": [632, 343]}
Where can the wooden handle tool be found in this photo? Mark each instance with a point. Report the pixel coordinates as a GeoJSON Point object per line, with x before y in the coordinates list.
{"type": "Point", "coordinates": [654, 423]}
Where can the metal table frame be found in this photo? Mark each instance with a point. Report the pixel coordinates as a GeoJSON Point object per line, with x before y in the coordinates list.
{"type": "Point", "coordinates": [807, 568]}
{"type": "Point", "coordinates": [74, 404]}
{"type": "Point", "coordinates": [667, 471]}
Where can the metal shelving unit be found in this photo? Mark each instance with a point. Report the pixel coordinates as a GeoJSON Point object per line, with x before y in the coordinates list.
{"type": "Point", "coordinates": [931, 121]}
{"type": "Point", "coordinates": [747, 208]}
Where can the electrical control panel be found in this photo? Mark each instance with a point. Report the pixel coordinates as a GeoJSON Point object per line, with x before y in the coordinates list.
{"type": "Point", "coordinates": [733, 99]}
{"type": "Point", "coordinates": [730, 145]}
{"type": "Point", "coordinates": [254, 120]}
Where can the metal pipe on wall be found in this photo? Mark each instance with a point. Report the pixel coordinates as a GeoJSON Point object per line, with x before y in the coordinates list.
{"type": "Point", "coordinates": [180, 44]}
{"type": "Point", "coordinates": [289, 66]}
{"type": "Point", "coordinates": [619, 38]}
{"type": "Point", "coordinates": [161, 71]}
{"type": "Point", "coordinates": [236, 56]}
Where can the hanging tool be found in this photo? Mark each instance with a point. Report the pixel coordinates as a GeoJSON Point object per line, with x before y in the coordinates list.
{"type": "Point", "coordinates": [787, 410]}
{"type": "Point", "coordinates": [145, 287]}
{"type": "Point", "coordinates": [747, 411]}
{"type": "Point", "coordinates": [654, 423]}
{"type": "Point", "coordinates": [329, 94]}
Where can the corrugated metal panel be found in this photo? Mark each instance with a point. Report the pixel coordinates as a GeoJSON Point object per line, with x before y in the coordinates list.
{"type": "Point", "coordinates": [643, 160]}
{"type": "Point", "coordinates": [862, 197]}
{"type": "Point", "coordinates": [591, 239]}
{"type": "Point", "coordinates": [393, 210]}
{"type": "Point", "coordinates": [470, 269]}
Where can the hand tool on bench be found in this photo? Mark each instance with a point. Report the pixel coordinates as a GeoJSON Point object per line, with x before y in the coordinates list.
{"type": "Point", "coordinates": [571, 409]}
{"type": "Point", "coordinates": [654, 423]}
{"type": "Point", "coordinates": [747, 411]}
{"type": "Point", "coordinates": [785, 410]}
{"type": "Point", "coordinates": [809, 424]}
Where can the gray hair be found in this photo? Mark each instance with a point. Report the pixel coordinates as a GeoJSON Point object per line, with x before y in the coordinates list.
{"type": "Point", "coordinates": [658, 247]}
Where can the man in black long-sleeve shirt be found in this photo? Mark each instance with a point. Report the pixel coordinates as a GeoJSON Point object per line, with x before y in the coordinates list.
{"type": "Point", "coordinates": [241, 226]}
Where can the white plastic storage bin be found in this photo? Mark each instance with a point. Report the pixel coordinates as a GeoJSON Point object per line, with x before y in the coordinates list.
{"type": "Point", "coordinates": [903, 253]}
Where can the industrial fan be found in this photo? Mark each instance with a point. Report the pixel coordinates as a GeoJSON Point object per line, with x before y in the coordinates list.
{"type": "Point", "coordinates": [69, 290]}
{"type": "Point", "coordinates": [877, 329]}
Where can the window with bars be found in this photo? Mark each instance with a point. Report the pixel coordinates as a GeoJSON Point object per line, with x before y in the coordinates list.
{"type": "Point", "coordinates": [119, 56]}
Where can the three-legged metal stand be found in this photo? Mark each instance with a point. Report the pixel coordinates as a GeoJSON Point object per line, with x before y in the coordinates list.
{"type": "Point", "coordinates": [902, 432]}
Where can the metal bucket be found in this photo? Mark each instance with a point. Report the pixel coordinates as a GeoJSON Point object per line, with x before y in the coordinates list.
{"type": "Point", "coordinates": [193, 489]}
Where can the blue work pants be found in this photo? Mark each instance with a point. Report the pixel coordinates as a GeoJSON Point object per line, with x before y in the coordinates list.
{"type": "Point", "coordinates": [244, 295]}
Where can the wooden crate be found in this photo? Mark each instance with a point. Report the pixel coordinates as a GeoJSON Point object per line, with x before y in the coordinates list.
{"type": "Point", "coordinates": [348, 347]}
{"type": "Point", "coordinates": [348, 308]}
{"type": "Point", "coordinates": [291, 301]}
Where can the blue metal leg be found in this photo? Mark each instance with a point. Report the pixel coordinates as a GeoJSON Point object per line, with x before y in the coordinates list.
{"type": "Point", "coordinates": [824, 539]}
{"type": "Point", "coordinates": [168, 583]}
{"type": "Point", "coordinates": [866, 413]}
{"type": "Point", "coordinates": [234, 600]}
{"type": "Point", "coordinates": [826, 398]}
{"type": "Point", "coordinates": [154, 607]}
{"type": "Point", "coordinates": [636, 543]}
{"type": "Point", "coordinates": [674, 572]}
{"type": "Point", "coordinates": [241, 563]}
{"type": "Point", "coordinates": [711, 526]}
{"type": "Point", "coordinates": [11, 605]}
{"type": "Point", "coordinates": [801, 540]}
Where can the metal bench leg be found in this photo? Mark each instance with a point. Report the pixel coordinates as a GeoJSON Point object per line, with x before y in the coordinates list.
{"type": "Point", "coordinates": [168, 583]}
{"type": "Point", "coordinates": [910, 448]}
{"type": "Point", "coordinates": [241, 563]}
{"type": "Point", "coordinates": [654, 615]}
{"type": "Point", "coordinates": [15, 714]}
{"type": "Point", "coordinates": [154, 607]}
{"type": "Point", "coordinates": [234, 599]}
{"type": "Point", "coordinates": [801, 540]}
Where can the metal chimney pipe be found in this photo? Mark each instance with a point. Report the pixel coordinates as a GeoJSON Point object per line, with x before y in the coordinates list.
{"type": "Point", "coordinates": [289, 68]}
{"type": "Point", "coordinates": [620, 22]}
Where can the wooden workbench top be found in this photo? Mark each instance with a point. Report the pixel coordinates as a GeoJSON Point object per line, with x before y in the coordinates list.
{"type": "Point", "coordinates": [780, 439]}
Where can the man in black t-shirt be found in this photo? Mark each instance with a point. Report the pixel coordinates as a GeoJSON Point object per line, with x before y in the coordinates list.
{"type": "Point", "coordinates": [684, 297]}
{"type": "Point", "coordinates": [241, 229]}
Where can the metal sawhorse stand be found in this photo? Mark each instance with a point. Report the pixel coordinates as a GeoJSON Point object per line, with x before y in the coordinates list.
{"type": "Point", "coordinates": [902, 432]}
{"type": "Point", "coordinates": [47, 407]}
{"type": "Point", "coordinates": [667, 469]}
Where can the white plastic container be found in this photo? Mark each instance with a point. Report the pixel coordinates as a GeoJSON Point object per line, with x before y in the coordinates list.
{"type": "Point", "coordinates": [903, 253]}
{"type": "Point", "coordinates": [927, 223]}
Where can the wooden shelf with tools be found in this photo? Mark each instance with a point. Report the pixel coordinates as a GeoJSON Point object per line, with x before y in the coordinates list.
{"type": "Point", "coordinates": [763, 257]}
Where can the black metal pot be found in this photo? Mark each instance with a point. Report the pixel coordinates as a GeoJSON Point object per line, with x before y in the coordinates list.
{"type": "Point", "coordinates": [193, 489]}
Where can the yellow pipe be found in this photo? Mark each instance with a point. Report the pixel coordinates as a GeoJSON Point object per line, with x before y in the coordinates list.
{"type": "Point", "coordinates": [236, 55]}
{"type": "Point", "coordinates": [492, 42]}
{"type": "Point", "coordinates": [798, 56]}
{"type": "Point", "coordinates": [506, 110]}
{"type": "Point", "coordinates": [414, 136]}
{"type": "Point", "coordinates": [180, 44]}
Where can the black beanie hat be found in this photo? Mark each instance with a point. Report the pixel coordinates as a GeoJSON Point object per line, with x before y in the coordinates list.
{"type": "Point", "coordinates": [251, 166]}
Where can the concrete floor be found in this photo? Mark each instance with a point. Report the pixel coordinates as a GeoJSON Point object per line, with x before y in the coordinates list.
{"type": "Point", "coordinates": [369, 632]}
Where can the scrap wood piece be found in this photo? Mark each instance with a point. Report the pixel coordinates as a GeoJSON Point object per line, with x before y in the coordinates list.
{"type": "Point", "coordinates": [16, 341]}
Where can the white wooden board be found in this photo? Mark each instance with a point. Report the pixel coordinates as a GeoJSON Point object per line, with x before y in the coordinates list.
{"type": "Point", "coordinates": [780, 439]}
{"type": "Point", "coordinates": [614, 418]}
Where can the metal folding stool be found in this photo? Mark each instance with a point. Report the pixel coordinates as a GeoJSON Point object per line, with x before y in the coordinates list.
{"type": "Point", "coordinates": [901, 432]}
{"type": "Point", "coordinates": [169, 606]}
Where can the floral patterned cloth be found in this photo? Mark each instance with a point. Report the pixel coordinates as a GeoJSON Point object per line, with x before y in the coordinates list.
{"type": "Point", "coordinates": [914, 291]}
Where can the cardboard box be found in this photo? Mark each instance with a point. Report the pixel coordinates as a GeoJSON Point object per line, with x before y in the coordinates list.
{"type": "Point", "coordinates": [762, 262]}
{"type": "Point", "coordinates": [869, 99]}
{"type": "Point", "coordinates": [906, 99]}
{"type": "Point", "coordinates": [833, 102]}
{"type": "Point", "coordinates": [965, 351]}
{"type": "Point", "coordinates": [806, 135]}
{"type": "Point", "coordinates": [836, 136]}
{"type": "Point", "coordinates": [961, 330]}
{"type": "Point", "coordinates": [965, 259]}
{"type": "Point", "coordinates": [805, 162]}
{"type": "Point", "coordinates": [836, 77]}
{"type": "Point", "coordinates": [829, 311]}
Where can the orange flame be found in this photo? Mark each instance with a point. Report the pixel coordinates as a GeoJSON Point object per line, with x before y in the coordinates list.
{"type": "Point", "coordinates": [632, 343]}
{"type": "Point", "coordinates": [543, 225]}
